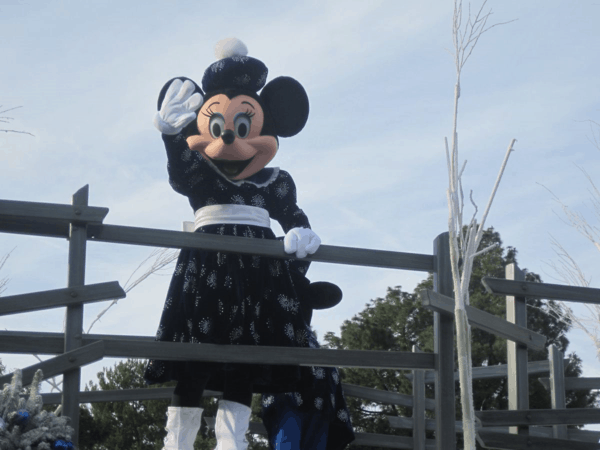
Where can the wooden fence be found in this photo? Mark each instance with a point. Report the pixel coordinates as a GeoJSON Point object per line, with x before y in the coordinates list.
{"type": "Point", "coordinates": [80, 223]}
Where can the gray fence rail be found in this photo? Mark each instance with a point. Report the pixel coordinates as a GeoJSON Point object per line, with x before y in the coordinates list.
{"type": "Point", "coordinates": [80, 223]}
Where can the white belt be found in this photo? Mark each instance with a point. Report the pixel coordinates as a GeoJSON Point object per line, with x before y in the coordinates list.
{"type": "Point", "coordinates": [232, 214]}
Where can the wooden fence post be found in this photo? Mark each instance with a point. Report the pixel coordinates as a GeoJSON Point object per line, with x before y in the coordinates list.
{"type": "Point", "coordinates": [74, 314]}
{"type": "Point", "coordinates": [518, 377]}
{"type": "Point", "coordinates": [443, 344]}
{"type": "Point", "coordinates": [418, 410]}
{"type": "Point", "coordinates": [557, 388]}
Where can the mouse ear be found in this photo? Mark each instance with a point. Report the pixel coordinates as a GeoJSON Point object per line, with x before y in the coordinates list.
{"type": "Point", "coordinates": [287, 104]}
{"type": "Point", "coordinates": [163, 91]}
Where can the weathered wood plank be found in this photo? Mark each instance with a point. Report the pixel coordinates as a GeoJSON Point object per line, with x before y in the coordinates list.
{"type": "Point", "coordinates": [123, 395]}
{"type": "Point", "coordinates": [483, 320]}
{"type": "Point", "coordinates": [45, 343]}
{"type": "Point", "coordinates": [74, 313]}
{"type": "Point", "coordinates": [418, 410]}
{"type": "Point", "coordinates": [542, 290]}
{"type": "Point", "coordinates": [385, 397]}
{"type": "Point", "coordinates": [494, 440]}
{"type": "Point", "coordinates": [486, 372]}
{"type": "Point", "coordinates": [575, 384]}
{"type": "Point", "coordinates": [517, 377]}
{"type": "Point", "coordinates": [557, 388]}
{"type": "Point", "coordinates": [60, 297]}
{"type": "Point", "coordinates": [369, 439]}
{"type": "Point", "coordinates": [272, 248]}
{"type": "Point", "coordinates": [443, 347]}
{"type": "Point", "coordinates": [268, 355]}
{"type": "Point", "coordinates": [61, 364]}
{"type": "Point", "coordinates": [50, 212]}
{"type": "Point", "coordinates": [580, 435]}
{"type": "Point", "coordinates": [570, 416]}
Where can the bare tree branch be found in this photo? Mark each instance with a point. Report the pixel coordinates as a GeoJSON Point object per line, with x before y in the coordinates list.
{"type": "Point", "coordinates": [6, 119]}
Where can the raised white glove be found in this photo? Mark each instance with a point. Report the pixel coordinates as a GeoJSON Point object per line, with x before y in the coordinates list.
{"type": "Point", "coordinates": [177, 109]}
{"type": "Point", "coordinates": [302, 241]}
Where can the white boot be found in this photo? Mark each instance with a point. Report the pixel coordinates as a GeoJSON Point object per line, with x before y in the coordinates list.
{"type": "Point", "coordinates": [231, 425]}
{"type": "Point", "coordinates": [182, 427]}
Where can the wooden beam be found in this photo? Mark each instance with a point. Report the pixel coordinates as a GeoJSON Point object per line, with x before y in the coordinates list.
{"type": "Point", "coordinates": [484, 321]}
{"type": "Point", "coordinates": [266, 247]}
{"type": "Point", "coordinates": [50, 212]}
{"type": "Point", "coordinates": [494, 440]}
{"type": "Point", "coordinates": [123, 395]}
{"type": "Point", "coordinates": [60, 297]}
{"type": "Point", "coordinates": [443, 348]}
{"type": "Point", "coordinates": [60, 364]}
{"type": "Point", "coordinates": [44, 343]}
{"type": "Point", "coordinates": [488, 372]}
{"type": "Point", "coordinates": [542, 290]}
{"type": "Point", "coordinates": [580, 435]}
{"type": "Point", "coordinates": [250, 354]}
{"type": "Point", "coordinates": [386, 397]}
{"type": "Point", "coordinates": [569, 416]}
{"type": "Point", "coordinates": [575, 384]}
{"type": "Point", "coordinates": [516, 353]}
{"type": "Point", "coordinates": [367, 439]}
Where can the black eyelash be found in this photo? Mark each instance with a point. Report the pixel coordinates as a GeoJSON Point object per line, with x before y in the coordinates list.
{"type": "Point", "coordinates": [250, 114]}
{"type": "Point", "coordinates": [210, 113]}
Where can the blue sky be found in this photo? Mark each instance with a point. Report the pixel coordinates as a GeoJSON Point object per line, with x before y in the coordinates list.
{"type": "Point", "coordinates": [369, 165]}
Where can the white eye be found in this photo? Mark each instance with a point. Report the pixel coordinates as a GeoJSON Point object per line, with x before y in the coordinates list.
{"type": "Point", "coordinates": [216, 125]}
{"type": "Point", "coordinates": [241, 123]}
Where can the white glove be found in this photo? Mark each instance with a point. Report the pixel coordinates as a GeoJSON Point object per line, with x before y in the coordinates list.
{"type": "Point", "coordinates": [302, 241]}
{"type": "Point", "coordinates": [177, 109]}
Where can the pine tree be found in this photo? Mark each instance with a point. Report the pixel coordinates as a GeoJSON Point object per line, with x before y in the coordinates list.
{"type": "Point", "coordinates": [140, 425]}
{"type": "Point", "coordinates": [24, 424]}
{"type": "Point", "coordinates": [398, 321]}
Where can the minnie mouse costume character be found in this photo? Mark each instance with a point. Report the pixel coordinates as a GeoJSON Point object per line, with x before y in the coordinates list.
{"type": "Point", "coordinates": [219, 140]}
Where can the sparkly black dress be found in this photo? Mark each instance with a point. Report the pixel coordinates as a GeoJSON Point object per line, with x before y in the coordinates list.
{"type": "Point", "coordinates": [234, 299]}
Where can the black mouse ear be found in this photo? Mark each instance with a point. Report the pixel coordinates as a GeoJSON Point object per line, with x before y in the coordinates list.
{"type": "Point", "coordinates": [163, 91]}
{"type": "Point", "coordinates": [287, 104]}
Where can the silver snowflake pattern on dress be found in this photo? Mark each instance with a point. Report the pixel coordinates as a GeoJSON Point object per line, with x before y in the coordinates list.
{"type": "Point", "coordinates": [333, 400]}
{"type": "Point", "coordinates": [258, 201]}
{"type": "Point", "coordinates": [319, 403]}
{"type": "Point", "coordinates": [301, 337]}
{"type": "Point", "coordinates": [211, 201]}
{"type": "Point", "coordinates": [211, 280]}
{"type": "Point", "coordinates": [288, 304]}
{"type": "Point", "coordinates": [335, 376]}
{"type": "Point", "coordinates": [179, 269]}
{"type": "Point", "coordinates": [289, 331]}
{"type": "Point", "coordinates": [298, 398]}
{"type": "Point", "coordinates": [342, 415]}
{"type": "Point", "coordinates": [319, 373]}
{"type": "Point", "coordinates": [168, 302]}
{"type": "Point", "coordinates": [282, 189]}
{"type": "Point", "coordinates": [236, 333]}
{"type": "Point", "coordinates": [228, 282]}
{"type": "Point", "coordinates": [190, 325]}
{"type": "Point", "coordinates": [275, 268]}
{"type": "Point", "coordinates": [255, 261]}
{"type": "Point", "coordinates": [257, 309]}
{"type": "Point", "coordinates": [159, 332]}
{"type": "Point", "coordinates": [234, 310]}
{"type": "Point", "coordinates": [221, 307]}
{"type": "Point", "coordinates": [237, 200]}
{"type": "Point", "coordinates": [249, 233]}
{"type": "Point", "coordinates": [221, 258]}
{"type": "Point", "coordinates": [205, 325]}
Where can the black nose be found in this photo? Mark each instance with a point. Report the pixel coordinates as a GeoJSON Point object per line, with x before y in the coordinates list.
{"type": "Point", "coordinates": [228, 137]}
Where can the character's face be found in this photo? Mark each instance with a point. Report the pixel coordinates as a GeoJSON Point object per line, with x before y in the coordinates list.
{"type": "Point", "coordinates": [230, 136]}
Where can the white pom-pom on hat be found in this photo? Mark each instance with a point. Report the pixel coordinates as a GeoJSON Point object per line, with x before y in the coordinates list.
{"type": "Point", "coordinates": [226, 48]}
